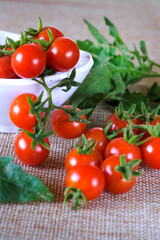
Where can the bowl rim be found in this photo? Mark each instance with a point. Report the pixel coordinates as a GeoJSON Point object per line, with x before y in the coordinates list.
{"type": "Point", "coordinates": [57, 76]}
{"type": "Point", "coordinates": [54, 77]}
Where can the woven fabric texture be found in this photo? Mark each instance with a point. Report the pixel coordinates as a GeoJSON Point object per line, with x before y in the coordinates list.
{"type": "Point", "coordinates": [134, 215]}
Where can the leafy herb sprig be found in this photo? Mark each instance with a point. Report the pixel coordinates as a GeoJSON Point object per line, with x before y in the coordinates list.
{"type": "Point", "coordinates": [114, 68]}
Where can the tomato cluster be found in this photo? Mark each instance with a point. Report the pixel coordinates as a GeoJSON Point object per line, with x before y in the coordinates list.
{"type": "Point", "coordinates": [99, 161]}
{"type": "Point", "coordinates": [119, 157]}
{"type": "Point", "coordinates": [29, 59]}
{"type": "Point", "coordinates": [96, 162]}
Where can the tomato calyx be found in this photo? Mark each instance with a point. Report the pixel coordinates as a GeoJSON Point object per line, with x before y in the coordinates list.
{"type": "Point", "coordinates": [45, 44]}
{"type": "Point", "coordinates": [74, 114]}
{"type": "Point", "coordinates": [148, 116]}
{"type": "Point", "coordinates": [86, 147]}
{"type": "Point", "coordinates": [38, 136]}
{"type": "Point", "coordinates": [154, 130]}
{"type": "Point", "coordinates": [123, 114]}
{"type": "Point", "coordinates": [33, 32]}
{"type": "Point", "coordinates": [127, 168]}
{"type": "Point", "coordinates": [75, 194]}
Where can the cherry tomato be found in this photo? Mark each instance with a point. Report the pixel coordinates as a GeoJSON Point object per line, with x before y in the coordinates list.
{"type": "Point", "coordinates": [28, 61]}
{"type": "Point", "coordinates": [88, 178]}
{"type": "Point", "coordinates": [114, 181]}
{"type": "Point", "coordinates": [19, 111]}
{"type": "Point", "coordinates": [44, 35]}
{"type": "Point", "coordinates": [74, 159]}
{"type": "Point", "coordinates": [63, 127]}
{"type": "Point", "coordinates": [150, 152]}
{"type": "Point", "coordinates": [26, 155]}
{"type": "Point", "coordinates": [63, 54]}
{"type": "Point", "coordinates": [6, 70]}
{"type": "Point", "coordinates": [119, 146]}
{"type": "Point", "coordinates": [97, 134]}
{"type": "Point", "coordinates": [118, 124]}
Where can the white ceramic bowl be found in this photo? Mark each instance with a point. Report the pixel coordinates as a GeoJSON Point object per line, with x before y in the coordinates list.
{"type": "Point", "coordinates": [10, 88]}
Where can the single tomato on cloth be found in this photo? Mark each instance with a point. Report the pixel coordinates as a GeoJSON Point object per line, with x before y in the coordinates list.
{"type": "Point", "coordinates": [24, 152]}
{"type": "Point", "coordinates": [119, 146]}
{"type": "Point", "coordinates": [63, 127]}
{"type": "Point", "coordinates": [74, 159]}
{"type": "Point", "coordinates": [115, 181]}
{"type": "Point", "coordinates": [89, 179]}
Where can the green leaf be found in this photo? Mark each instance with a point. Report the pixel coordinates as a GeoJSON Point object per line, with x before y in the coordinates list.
{"type": "Point", "coordinates": [16, 186]}
{"type": "Point", "coordinates": [154, 92]}
{"type": "Point", "coordinates": [143, 48]}
{"type": "Point", "coordinates": [22, 39]}
{"type": "Point", "coordinates": [44, 144]}
{"type": "Point", "coordinates": [114, 32]}
{"type": "Point", "coordinates": [39, 24]}
{"type": "Point", "coordinates": [96, 34]}
{"type": "Point", "coordinates": [98, 81]}
{"type": "Point", "coordinates": [99, 53]}
{"type": "Point", "coordinates": [12, 43]}
{"type": "Point", "coordinates": [48, 71]}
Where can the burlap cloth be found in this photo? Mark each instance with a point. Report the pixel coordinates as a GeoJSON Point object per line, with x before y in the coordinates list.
{"type": "Point", "coordinates": [134, 215]}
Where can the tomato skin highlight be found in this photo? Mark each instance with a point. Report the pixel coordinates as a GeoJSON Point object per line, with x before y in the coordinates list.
{"type": "Point", "coordinates": [150, 152]}
{"type": "Point", "coordinates": [75, 159]}
{"type": "Point", "coordinates": [25, 154]}
{"type": "Point", "coordinates": [63, 127]}
{"type": "Point", "coordinates": [119, 146]}
{"type": "Point", "coordinates": [44, 35]}
{"type": "Point", "coordinates": [118, 124]}
{"type": "Point", "coordinates": [19, 111]}
{"type": "Point", "coordinates": [63, 54]}
{"type": "Point", "coordinates": [28, 61]}
{"type": "Point", "coordinates": [114, 181]}
{"type": "Point", "coordinates": [88, 178]}
{"type": "Point", "coordinates": [6, 70]}
{"type": "Point", "coordinates": [97, 134]}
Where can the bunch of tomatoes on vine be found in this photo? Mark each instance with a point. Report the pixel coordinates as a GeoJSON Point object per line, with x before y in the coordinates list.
{"type": "Point", "coordinates": [103, 158]}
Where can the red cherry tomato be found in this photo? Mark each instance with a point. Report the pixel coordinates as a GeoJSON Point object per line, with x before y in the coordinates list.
{"type": "Point", "coordinates": [63, 127]}
{"type": "Point", "coordinates": [75, 159]}
{"type": "Point", "coordinates": [26, 155]}
{"type": "Point", "coordinates": [114, 181]}
{"type": "Point", "coordinates": [119, 146]}
{"type": "Point", "coordinates": [63, 54]}
{"type": "Point", "coordinates": [88, 178]}
{"type": "Point", "coordinates": [6, 70]}
{"type": "Point", "coordinates": [118, 124]}
{"type": "Point", "coordinates": [97, 134]}
{"type": "Point", "coordinates": [28, 61]}
{"type": "Point", "coordinates": [44, 35]}
{"type": "Point", "coordinates": [19, 111]}
{"type": "Point", "coordinates": [150, 152]}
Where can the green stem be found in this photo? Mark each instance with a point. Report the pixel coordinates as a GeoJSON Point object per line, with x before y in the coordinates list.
{"type": "Point", "coordinates": [142, 127]}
